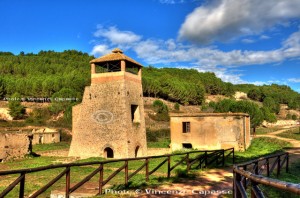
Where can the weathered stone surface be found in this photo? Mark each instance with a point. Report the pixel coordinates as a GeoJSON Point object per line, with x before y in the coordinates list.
{"type": "Point", "coordinates": [45, 136]}
{"type": "Point", "coordinates": [211, 130]}
{"type": "Point", "coordinates": [13, 145]}
{"type": "Point", "coordinates": [104, 119]}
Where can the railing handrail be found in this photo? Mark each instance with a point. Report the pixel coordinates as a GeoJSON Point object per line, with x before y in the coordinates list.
{"type": "Point", "coordinates": [53, 166]}
{"type": "Point", "coordinates": [261, 159]}
{"type": "Point", "coordinates": [241, 173]}
{"type": "Point", "coordinates": [288, 186]}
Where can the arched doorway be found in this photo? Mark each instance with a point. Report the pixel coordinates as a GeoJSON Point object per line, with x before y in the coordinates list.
{"type": "Point", "coordinates": [137, 151]}
{"type": "Point", "coordinates": [108, 153]}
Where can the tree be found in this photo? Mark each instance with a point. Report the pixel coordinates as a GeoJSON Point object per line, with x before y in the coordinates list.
{"type": "Point", "coordinates": [177, 106]}
{"type": "Point", "coordinates": [228, 105]}
{"type": "Point", "coordinates": [162, 111]}
{"type": "Point", "coordinates": [271, 104]}
{"type": "Point", "coordinates": [2, 88]}
{"type": "Point", "coordinates": [256, 94]}
{"type": "Point", "coordinates": [256, 115]}
{"type": "Point", "coordinates": [16, 109]}
{"type": "Point", "coordinates": [268, 115]}
{"type": "Point", "coordinates": [63, 99]}
{"type": "Point", "coordinates": [223, 106]}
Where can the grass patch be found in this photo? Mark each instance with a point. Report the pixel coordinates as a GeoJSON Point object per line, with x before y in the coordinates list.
{"type": "Point", "coordinates": [260, 147]}
{"type": "Point", "coordinates": [49, 147]}
{"type": "Point", "coordinates": [292, 134]}
{"type": "Point", "coordinates": [158, 138]}
{"type": "Point", "coordinates": [263, 130]}
{"type": "Point", "coordinates": [159, 144]}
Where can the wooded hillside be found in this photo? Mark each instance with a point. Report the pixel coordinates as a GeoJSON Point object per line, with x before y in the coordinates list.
{"type": "Point", "coordinates": [68, 72]}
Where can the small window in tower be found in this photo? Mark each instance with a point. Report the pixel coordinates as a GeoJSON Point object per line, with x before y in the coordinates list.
{"type": "Point", "coordinates": [112, 66]}
{"type": "Point", "coordinates": [186, 127]}
{"type": "Point", "coordinates": [132, 68]}
{"type": "Point", "coordinates": [135, 113]}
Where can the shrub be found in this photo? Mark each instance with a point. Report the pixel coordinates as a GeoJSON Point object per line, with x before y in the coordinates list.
{"type": "Point", "coordinates": [16, 109]}
{"type": "Point", "coordinates": [38, 116]}
{"type": "Point", "coordinates": [288, 116]}
{"type": "Point", "coordinates": [162, 111]}
{"type": "Point", "coordinates": [177, 106]}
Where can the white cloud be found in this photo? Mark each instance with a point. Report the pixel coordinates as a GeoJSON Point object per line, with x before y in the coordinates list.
{"type": "Point", "coordinates": [248, 41]}
{"type": "Point", "coordinates": [170, 52]}
{"type": "Point", "coordinates": [100, 50]}
{"type": "Point", "coordinates": [116, 36]}
{"type": "Point", "coordinates": [294, 80]}
{"type": "Point", "coordinates": [264, 37]}
{"type": "Point", "coordinates": [223, 20]}
{"type": "Point", "coordinates": [171, 1]}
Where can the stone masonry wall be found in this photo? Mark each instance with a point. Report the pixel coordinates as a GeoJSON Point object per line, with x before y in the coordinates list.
{"type": "Point", "coordinates": [103, 119]}
{"type": "Point", "coordinates": [13, 145]}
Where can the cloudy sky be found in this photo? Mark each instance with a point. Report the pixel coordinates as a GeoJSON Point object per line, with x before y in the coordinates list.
{"type": "Point", "coordinates": [242, 41]}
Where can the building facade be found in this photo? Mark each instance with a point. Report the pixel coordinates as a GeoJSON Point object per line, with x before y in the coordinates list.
{"type": "Point", "coordinates": [110, 120]}
{"type": "Point", "coordinates": [208, 131]}
{"type": "Point", "coordinates": [45, 136]}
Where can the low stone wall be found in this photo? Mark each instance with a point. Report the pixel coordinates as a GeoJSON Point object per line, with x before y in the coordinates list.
{"type": "Point", "coordinates": [281, 123]}
{"type": "Point", "coordinates": [13, 145]}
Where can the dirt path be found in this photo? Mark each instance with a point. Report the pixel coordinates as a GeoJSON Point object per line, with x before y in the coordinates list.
{"type": "Point", "coordinates": [294, 150]}
{"type": "Point", "coordinates": [208, 183]}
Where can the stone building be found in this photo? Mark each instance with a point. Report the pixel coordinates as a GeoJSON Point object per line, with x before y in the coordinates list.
{"type": "Point", "coordinates": [45, 136]}
{"type": "Point", "coordinates": [109, 122]}
{"type": "Point", "coordinates": [210, 131]}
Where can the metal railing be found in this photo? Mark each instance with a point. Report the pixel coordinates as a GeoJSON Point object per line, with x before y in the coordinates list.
{"type": "Point", "coordinates": [204, 159]}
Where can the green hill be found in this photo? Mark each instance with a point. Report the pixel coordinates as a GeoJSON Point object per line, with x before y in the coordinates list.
{"type": "Point", "coordinates": [65, 74]}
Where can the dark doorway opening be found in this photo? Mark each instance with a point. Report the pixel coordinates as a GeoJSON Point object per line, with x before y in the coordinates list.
{"type": "Point", "coordinates": [108, 153]}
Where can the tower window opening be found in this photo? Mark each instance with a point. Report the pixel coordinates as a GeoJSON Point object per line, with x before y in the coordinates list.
{"type": "Point", "coordinates": [135, 113]}
{"type": "Point", "coordinates": [131, 68]}
{"type": "Point", "coordinates": [112, 66]}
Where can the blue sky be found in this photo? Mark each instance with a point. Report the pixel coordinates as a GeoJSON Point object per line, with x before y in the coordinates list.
{"type": "Point", "coordinates": [242, 41]}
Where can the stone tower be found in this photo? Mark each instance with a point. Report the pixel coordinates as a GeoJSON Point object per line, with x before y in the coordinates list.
{"type": "Point", "coordinates": [110, 120]}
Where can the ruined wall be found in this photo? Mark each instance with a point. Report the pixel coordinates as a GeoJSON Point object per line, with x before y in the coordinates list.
{"type": "Point", "coordinates": [103, 119]}
{"type": "Point", "coordinates": [45, 138]}
{"type": "Point", "coordinates": [13, 145]}
{"type": "Point", "coordinates": [211, 131]}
